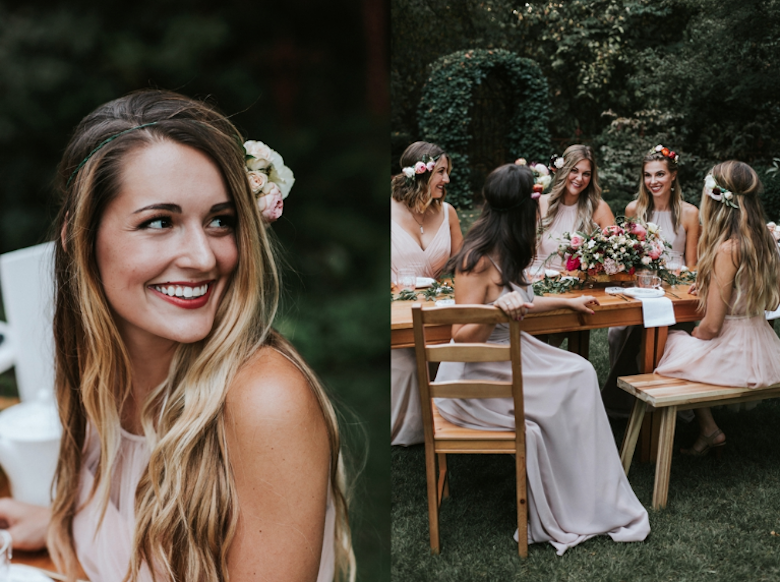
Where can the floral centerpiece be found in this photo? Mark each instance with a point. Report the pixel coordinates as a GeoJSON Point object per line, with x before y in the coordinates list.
{"type": "Point", "coordinates": [615, 252]}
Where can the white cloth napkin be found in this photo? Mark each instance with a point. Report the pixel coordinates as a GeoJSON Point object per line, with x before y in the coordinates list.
{"type": "Point", "coordinates": [658, 312]}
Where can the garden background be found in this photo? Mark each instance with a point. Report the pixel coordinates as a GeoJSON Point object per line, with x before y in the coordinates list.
{"type": "Point", "coordinates": [699, 76]}
{"type": "Point", "coordinates": [308, 78]}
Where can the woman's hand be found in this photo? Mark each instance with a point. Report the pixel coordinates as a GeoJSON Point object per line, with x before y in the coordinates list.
{"type": "Point", "coordinates": [513, 304]}
{"type": "Point", "coordinates": [692, 290]}
{"type": "Point", "coordinates": [581, 304]}
{"type": "Point", "coordinates": [26, 523]}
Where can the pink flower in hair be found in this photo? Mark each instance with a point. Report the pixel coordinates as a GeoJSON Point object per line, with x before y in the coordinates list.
{"type": "Point", "coordinates": [430, 165]}
{"type": "Point", "coordinates": [420, 168]}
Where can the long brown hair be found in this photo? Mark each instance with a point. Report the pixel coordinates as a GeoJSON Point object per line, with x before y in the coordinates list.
{"type": "Point", "coordinates": [183, 418]}
{"type": "Point", "coordinates": [414, 193]}
{"type": "Point", "coordinates": [589, 199]}
{"type": "Point", "coordinates": [755, 250]}
{"type": "Point", "coordinates": [506, 229]}
{"type": "Point", "coordinates": [645, 200]}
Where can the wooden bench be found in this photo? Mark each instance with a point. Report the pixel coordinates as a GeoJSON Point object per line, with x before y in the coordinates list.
{"type": "Point", "coordinates": [666, 396]}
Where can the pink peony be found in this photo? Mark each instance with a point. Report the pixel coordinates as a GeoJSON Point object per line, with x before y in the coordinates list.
{"type": "Point", "coordinates": [639, 230]}
{"type": "Point", "coordinates": [420, 168]}
{"type": "Point", "coordinates": [271, 204]}
{"type": "Point", "coordinates": [610, 230]}
{"type": "Point", "coordinates": [611, 267]}
{"type": "Point", "coordinates": [572, 263]}
{"type": "Point", "coordinates": [655, 252]}
{"type": "Point", "coordinates": [576, 241]}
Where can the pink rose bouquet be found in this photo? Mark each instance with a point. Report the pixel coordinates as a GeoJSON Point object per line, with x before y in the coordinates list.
{"type": "Point", "coordinates": [619, 248]}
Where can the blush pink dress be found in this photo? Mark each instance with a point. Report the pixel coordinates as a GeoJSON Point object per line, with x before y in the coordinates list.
{"type": "Point", "coordinates": [576, 485]}
{"type": "Point", "coordinates": [746, 353]}
{"type": "Point", "coordinates": [105, 553]}
{"type": "Point", "coordinates": [548, 241]}
{"type": "Point", "coordinates": [405, 415]}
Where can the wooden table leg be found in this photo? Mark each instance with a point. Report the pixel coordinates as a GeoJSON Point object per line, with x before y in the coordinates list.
{"type": "Point", "coordinates": [579, 342]}
{"type": "Point", "coordinates": [663, 464]}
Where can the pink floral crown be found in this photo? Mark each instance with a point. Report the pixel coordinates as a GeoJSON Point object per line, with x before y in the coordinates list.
{"type": "Point", "coordinates": [269, 179]}
{"type": "Point", "coordinates": [426, 164]}
{"type": "Point", "coordinates": [666, 152]}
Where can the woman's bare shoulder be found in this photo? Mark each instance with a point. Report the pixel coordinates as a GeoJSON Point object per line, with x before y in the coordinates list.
{"type": "Point", "coordinates": [631, 208]}
{"type": "Point", "coordinates": [270, 387]}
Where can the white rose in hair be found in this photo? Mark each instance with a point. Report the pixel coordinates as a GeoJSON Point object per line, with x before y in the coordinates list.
{"type": "Point", "coordinates": [544, 181]}
{"type": "Point", "coordinates": [409, 172]}
{"type": "Point", "coordinates": [559, 162]}
{"type": "Point", "coordinates": [542, 169]}
{"type": "Point", "coordinates": [261, 155]}
{"type": "Point", "coordinates": [728, 195]}
{"type": "Point", "coordinates": [281, 175]}
{"type": "Point", "coordinates": [257, 181]}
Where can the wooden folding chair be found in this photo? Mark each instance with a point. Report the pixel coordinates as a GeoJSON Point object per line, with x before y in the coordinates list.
{"type": "Point", "coordinates": [443, 437]}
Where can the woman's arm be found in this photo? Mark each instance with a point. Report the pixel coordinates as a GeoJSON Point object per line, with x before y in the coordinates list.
{"type": "Point", "coordinates": [690, 222]}
{"type": "Point", "coordinates": [631, 209]}
{"type": "Point", "coordinates": [456, 236]}
{"type": "Point", "coordinates": [603, 215]}
{"type": "Point", "coordinates": [279, 450]}
{"type": "Point", "coordinates": [542, 304]}
{"type": "Point", "coordinates": [719, 293]}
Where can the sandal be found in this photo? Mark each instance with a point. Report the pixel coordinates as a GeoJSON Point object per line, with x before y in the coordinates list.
{"type": "Point", "coordinates": [709, 443]}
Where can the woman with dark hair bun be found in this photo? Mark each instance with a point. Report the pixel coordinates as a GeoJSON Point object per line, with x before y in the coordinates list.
{"type": "Point", "coordinates": [424, 233]}
{"type": "Point", "coordinates": [576, 484]}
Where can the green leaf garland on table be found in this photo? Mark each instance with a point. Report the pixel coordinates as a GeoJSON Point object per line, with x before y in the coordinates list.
{"type": "Point", "coordinates": [436, 291]}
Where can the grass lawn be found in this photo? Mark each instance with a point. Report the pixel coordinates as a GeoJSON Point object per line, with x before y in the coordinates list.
{"type": "Point", "coordinates": [722, 522]}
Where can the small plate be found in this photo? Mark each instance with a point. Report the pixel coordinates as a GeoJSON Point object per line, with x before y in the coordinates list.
{"type": "Point", "coordinates": [443, 302]}
{"type": "Point", "coordinates": [423, 282]}
{"type": "Point", "coordinates": [641, 293]}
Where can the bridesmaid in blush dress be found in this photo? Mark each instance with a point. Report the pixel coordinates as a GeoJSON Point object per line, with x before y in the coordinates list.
{"type": "Point", "coordinates": [738, 278]}
{"type": "Point", "coordinates": [576, 485]}
{"type": "Point", "coordinates": [574, 203]}
{"type": "Point", "coordinates": [659, 201]}
{"type": "Point", "coordinates": [424, 233]}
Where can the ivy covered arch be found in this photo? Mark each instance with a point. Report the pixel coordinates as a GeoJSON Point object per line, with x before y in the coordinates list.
{"type": "Point", "coordinates": [446, 109]}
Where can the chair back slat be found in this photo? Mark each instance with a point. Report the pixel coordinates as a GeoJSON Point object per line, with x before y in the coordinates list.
{"type": "Point", "coordinates": [460, 314]}
{"type": "Point", "coordinates": [478, 352]}
{"type": "Point", "coordinates": [471, 389]}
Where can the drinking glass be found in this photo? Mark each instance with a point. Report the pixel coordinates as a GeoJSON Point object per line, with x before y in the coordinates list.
{"type": "Point", "coordinates": [407, 279]}
{"type": "Point", "coordinates": [674, 262]}
{"type": "Point", "coordinates": [648, 280]}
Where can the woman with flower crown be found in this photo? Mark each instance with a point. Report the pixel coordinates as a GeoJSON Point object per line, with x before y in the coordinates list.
{"type": "Point", "coordinates": [659, 202]}
{"type": "Point", "coordinates": [424, 233]}
{"type": "Point", "coordinates": [738, 279]}
{"type": "Point", "coordinates": [576, 486]}
{"type": "Point", "coordinates": [197, 444]}
{"type": "Point", "coordinates": [573, 204]}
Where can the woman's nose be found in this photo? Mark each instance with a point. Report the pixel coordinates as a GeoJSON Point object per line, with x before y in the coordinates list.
{"type": "Point", "coordinates": [446, 178]}
{"type": "Point", "coordinates": [196, 252]}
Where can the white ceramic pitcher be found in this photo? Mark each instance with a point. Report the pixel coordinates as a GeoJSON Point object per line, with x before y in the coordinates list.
{"type": "Point", "coordinates": [30, 435]}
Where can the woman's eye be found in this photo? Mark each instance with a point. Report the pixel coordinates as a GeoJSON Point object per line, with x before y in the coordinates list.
{"type": "Point", "coordinates": [159, 222]}
{"type": "Point", "coordinates": [223, 222]}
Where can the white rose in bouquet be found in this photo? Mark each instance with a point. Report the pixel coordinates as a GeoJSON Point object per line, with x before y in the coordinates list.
{"type": "Point", "coordinates": [261, 155]}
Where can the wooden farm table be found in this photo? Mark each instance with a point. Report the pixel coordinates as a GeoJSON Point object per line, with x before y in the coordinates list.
{"type": "Point", "coordinates": [612, 311]}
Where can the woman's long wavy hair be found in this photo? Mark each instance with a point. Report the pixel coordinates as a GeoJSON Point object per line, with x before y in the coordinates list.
{"type": "Point", "coordinates": [186, 504]}
{"type": "Point", "coordinates": [645, 200]}
{"type": "Point", "coordinates": [506, 229]}
{"type": "Point", "coordinates": [417, 196]}
{"type": "Point", "coordinates": [589, 198]}
{"type": "Point", "coordinates": [755, 250]}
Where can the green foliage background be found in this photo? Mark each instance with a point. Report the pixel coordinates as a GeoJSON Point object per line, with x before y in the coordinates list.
{"type": "Point", "coordinates": [699, 76]}
{"type": "Point", "coordinates": [285, 79]}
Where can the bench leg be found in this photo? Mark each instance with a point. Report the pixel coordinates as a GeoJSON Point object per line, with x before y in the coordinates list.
{"type": "Point", "coordinates": [663, 463]}
{"type": "Point", "coordinates": [632, 434]}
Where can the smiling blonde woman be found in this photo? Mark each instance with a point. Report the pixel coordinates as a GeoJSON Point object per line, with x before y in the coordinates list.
{"type": "Point", "coordinates": [197, 444]}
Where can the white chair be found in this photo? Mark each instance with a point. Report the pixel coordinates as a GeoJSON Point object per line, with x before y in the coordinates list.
{"type": "Point", "coordinates": [27, 284]}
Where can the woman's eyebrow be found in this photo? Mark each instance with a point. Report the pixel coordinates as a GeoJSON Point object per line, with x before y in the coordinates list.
{"type": "Point", "coordinates": [169, 207]}
{"type": "Point", "coordinates": [223, 206]}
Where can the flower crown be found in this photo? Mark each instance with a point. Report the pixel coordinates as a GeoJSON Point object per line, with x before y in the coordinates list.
{"type": "Point", "coordinates": [541, 177]}
{"type": "Point", "coordinates": [718, 193]}
{"type": "Point", "coordinates": [269, 179]}
{"type": "Point", "coordinates": [666, 152]}
{"type": "Point", "coordinates": [425, 165]}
